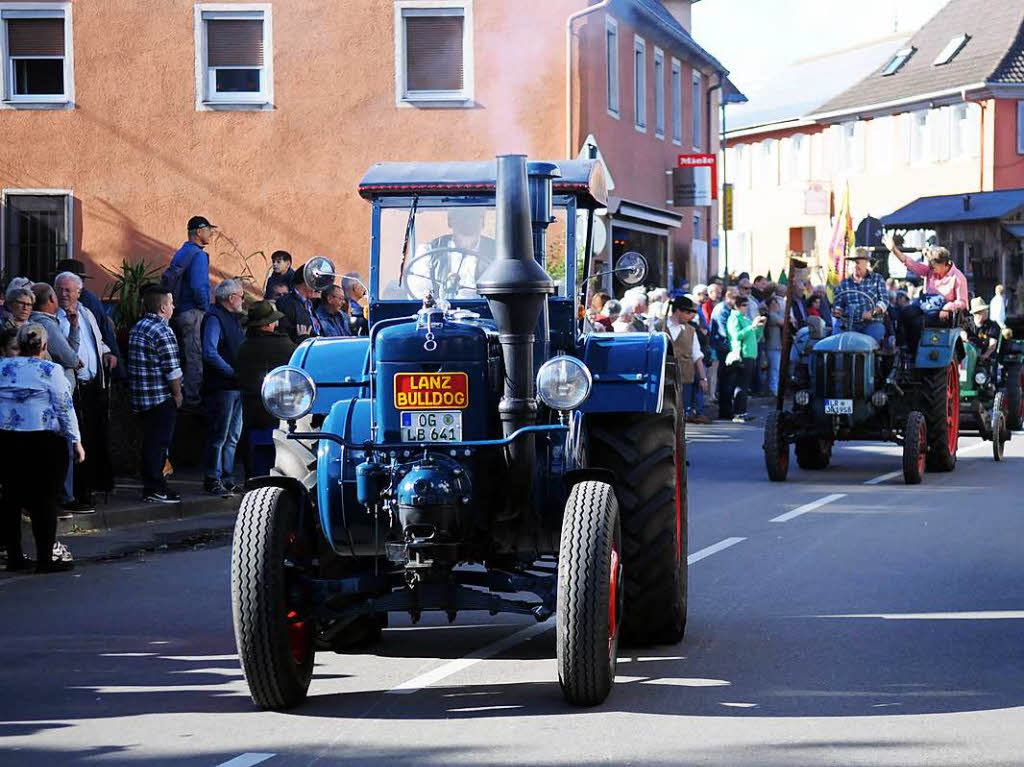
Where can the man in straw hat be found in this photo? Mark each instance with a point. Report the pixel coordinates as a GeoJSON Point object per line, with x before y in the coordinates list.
{"type": "Point", "coordinates": [262, 350]}
{"type": "Point", "coordinates": [981, 331]}
{"type": "Point", "coordinates": [862, 297]}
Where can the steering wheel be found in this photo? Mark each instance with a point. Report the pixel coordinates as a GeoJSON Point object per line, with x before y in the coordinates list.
{"type": "Point", "coordinates": [450, 281]}
{"type": "Point", "coordinates": [849, 321]}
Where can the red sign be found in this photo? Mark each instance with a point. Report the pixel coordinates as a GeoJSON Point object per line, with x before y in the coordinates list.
{"type": "Point", "coordinates": [699, 161]}
{"type": "Point", "coordinates": [431, 391]}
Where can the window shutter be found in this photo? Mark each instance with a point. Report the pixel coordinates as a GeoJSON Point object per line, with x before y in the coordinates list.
{"type": "Point", "coordinates": [35, 37]}
{"type": "Point", "coordinates": [234, 43]}
{"type": "Point", "coordinates": [434, 53]}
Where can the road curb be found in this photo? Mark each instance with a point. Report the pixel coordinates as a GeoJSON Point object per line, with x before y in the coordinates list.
{"type": "Point", "coordinates": [115, 516]}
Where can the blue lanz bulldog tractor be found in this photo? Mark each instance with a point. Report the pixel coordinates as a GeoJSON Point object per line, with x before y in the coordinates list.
{"type": "Point", "coordinates": [476, 447]}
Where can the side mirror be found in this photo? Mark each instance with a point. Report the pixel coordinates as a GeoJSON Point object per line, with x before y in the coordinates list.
{"type": "Point", "coordinates": [631, 268]}
{"type": "Point", "coordinates": [318, 273]}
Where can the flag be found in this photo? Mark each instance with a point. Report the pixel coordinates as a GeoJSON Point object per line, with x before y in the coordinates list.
{"type": "Point", "coordinates": [842, 241]}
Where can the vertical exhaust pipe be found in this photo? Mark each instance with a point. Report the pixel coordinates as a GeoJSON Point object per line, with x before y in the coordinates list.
{"type": "Point", "coordinates": [516, 287]}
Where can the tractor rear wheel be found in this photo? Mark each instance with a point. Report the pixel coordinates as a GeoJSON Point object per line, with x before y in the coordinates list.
{"type": "Point", "coordinates": [776, 449]}
{"type": "Point", "coordinates": [915, 447]}
{"type": "Point", "coordinates": [1000, 432]}
{"type": "Point", "coordinates": [590, 592]}
{"type": "Point", "coordinates": [813, 454]}
{"type": "Point", "coordinates": [647, 454]}
{"type": "Point", "coordinates": [1014, 398]}
{"type": "Point", "coordinates": [273, 633]}
{"type": "Point", "coordinates": [940, 403]}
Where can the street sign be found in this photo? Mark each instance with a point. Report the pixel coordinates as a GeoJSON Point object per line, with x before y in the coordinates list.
{"type": "Point", "coordinates": [694, 181]}
{"type": "Point", "coordinates": [727, 207]}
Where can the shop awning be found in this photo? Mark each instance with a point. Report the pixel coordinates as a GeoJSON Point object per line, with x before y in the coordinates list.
{"type": "Point", "coordinates": [955, 208]}
{"type": "Point", "coordinates": [643, 213]}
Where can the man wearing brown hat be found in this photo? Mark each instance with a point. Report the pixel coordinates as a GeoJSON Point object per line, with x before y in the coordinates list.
{"type": "Point", "coordinates": [682, 334]}
{"type": "Point", "coordinates": [862, 298]}
{"type": "Point", "coordinates": [262, 350]}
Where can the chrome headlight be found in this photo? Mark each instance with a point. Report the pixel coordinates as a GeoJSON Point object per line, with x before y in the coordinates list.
{"type": "Point", "coordinates": [288, 393]}
{"type": "Point", "coordinates": [879, 398]}
{"type": "Point", "coordinates": [980, 377]}
{"type": "Point", "coordinates": [802, 398]}
{"type": "Point", "coordinates": [563, 383]}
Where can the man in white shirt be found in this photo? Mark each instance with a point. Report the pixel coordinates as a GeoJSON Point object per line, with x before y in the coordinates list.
{"type": "Point", "coordinates": [997, 307]}
{"type": "Point", "coordinates": [96, 472]}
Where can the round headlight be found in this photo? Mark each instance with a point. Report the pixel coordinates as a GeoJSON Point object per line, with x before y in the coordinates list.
{"type": "Point", "coordinates": [980, 377]}
{"type": "Point", "coordinates": [563, 383]}
{"type": "Point", "coordinates": [288, 393]}
{"type": "Point", "coordinates": [802, 398]}
{"type": "Point", "coordinates": [879, 398]}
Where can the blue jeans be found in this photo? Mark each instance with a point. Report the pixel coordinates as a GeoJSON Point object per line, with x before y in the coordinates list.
{"type": "Point", "coordinates": [693, 399]}
{"type": "Point", "coordinates": [774, 364]}
{"type": "Point", "coordinates": [157, 434]}
{"type": "Point", "coordinates": [873, 328]}
{"type": "Point", "coordinates": [224, 411]}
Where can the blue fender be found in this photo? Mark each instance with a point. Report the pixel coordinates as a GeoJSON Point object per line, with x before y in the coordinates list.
{"type": "Point", "coordinates": [628, 371]}
{"type": "Point", "coordinates": [346, 523]}
{"type": "Point", "coordinates": [339, 367]}
{"type": "Point", "coordinates": [939, 348]}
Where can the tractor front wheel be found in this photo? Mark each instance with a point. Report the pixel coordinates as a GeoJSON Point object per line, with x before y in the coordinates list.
{"type": "Point", "coordinates": [915, 447]}
{"type": "Point", "coordinates": [1000, 432]}
{"type": "Point", "coordinates": [273, 632]}
{"type": "Point", "coordinates": [776, 449]}
{"type": "Point", "coordinates": [1014, 398]}
{"type": "Point", "coordinates": [590, 593]}
{"type": "Point", "coordinates": [940, 403]}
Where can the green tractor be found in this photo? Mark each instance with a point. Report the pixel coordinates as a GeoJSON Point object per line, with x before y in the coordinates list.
{"type": "Point", "coordinates": [984, 387]}
{"type": "Point", "coordinates": [1011, 363]}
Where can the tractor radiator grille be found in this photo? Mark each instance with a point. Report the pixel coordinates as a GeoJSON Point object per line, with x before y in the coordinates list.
{"type": "Point", "coordinates": [840, 376]}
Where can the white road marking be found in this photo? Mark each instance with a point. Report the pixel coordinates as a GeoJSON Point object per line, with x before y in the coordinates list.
{"type": "Point", "coordinates": [808, 507]}
{"type": "Point", "coordinates": [489, 651]}
{"type": "Point", "coordinates": [697, 556]}
{"type": "Point", "coordinates": [884, 477]}
{"type": "Point", "coordinates": [453, 667]}
{"type": "Point", "coordinates": [978, 615]}
{"type": "Point", "coordinates": [246, 760]}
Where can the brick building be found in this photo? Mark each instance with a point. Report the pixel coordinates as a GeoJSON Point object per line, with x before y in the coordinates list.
{"type": "Point", "coordinates": [120, 120]}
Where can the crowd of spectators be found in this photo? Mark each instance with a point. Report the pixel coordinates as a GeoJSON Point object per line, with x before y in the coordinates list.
{"type": "Point", "coordinates": [190, 351]}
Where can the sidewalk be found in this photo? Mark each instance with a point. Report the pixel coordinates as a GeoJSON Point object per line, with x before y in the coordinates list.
{"type": "Point", "coordinates": [124, 505]}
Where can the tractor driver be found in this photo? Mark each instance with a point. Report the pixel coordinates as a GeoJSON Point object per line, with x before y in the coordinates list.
{"type": "Point", "coordinates": [457, 260]}
{"type": "Point", "coordinates": [982, 332]}
{"type": "Point", "coordinates": [863, 296]}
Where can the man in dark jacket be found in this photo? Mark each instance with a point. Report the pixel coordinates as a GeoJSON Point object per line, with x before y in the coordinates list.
{"type": "Point", "coordinates": [299, 321]}
{"type": "Point", "coordinates": [333, 312]}
{"type": "Point", "coordinates": [222, 336]}
{"type": "Point", "coordinates": [262, 350]}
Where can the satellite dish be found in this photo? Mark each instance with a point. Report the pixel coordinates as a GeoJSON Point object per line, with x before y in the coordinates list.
{"type": "Point", "coordinates": [318, 273]}
{"type": "Point", "coordinates": [631, 268]}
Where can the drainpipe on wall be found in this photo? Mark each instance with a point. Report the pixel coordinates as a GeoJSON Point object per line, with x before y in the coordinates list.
{"type": "Point", "coordinates": [707, 132]}
{"type": "Point", "coordinates": [981, 141]}
{"type": "Point", "coordinates": [568, 69]}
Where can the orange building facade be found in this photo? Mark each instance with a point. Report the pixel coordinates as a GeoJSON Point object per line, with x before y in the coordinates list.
{"type": "Point", "coordinates": [122, 120]}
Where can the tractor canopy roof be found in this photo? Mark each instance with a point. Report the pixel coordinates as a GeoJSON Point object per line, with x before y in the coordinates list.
{"type": "Point", "coordinates": [583, 179]}
{"type": "Point", "coordinates": [847, 342]}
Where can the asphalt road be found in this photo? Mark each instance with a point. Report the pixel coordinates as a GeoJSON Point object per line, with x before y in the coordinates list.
{"type": "Point", "coordinates": [882, 626]}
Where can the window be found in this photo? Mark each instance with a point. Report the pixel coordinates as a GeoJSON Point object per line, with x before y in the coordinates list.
{"type": "Point", "coordinates": [964, 126]}
{"type": "Point", "coordinates": [659, 93]}
{"type": "Point", "coordinates": [918, 137]}
{"type": "Point", "coordinates": [37, 52]}
{"type": "Point", "coordinates": [677, 102]}
{"type": "Point", "coordinates": [639, 83]}
{"type": "Point", "coordinates": [611, 54]}
{"type": "Point", "coordinates": [696, 111]}
{"type": "Point", "coordinates": [234, 56]}
{"type": "Point", "coordinates": [881, 142]}
{"type": "Point", "coordinates": [938, 134]}
{"type": "Point", "coordinates": [1020, 127]}
{"type": "Point", "coordinates": [897, 61]}
{"type": "Point", "coordinates": [953, 47]}
{"type": "Point", "coordinates": [769, 162]}
{"type": "Point", "coordinates": [853, 145]}
{"type": "Point", "coordinates": [36, 231]}
{"type": "Point", "coordinates": [434, 53]}
{"type": "Point", "coordinates": [796, 156]}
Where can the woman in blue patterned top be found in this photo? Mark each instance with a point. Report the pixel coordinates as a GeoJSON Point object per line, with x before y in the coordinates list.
{"type": "Point", "coordinates": [37, 419]}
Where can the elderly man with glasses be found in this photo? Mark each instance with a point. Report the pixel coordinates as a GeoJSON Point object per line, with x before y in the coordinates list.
{"type": "Point", "coordinates": [222, 335]}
